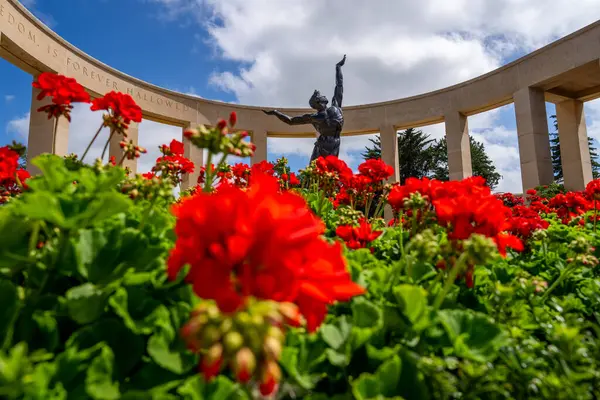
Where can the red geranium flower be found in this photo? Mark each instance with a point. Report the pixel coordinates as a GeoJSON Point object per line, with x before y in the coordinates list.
{"type": "Point", "coordinates": [124, 109]}
{"type": "Point", "coordinates": [357, 237]}
{"type": "Point", "coordinates": [64, 92]}
{"type": "Point", "coordinates": [376, 170]}
{"type": "Point", "coordinates": [262, 243]}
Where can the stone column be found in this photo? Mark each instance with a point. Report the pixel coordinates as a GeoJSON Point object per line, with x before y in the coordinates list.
{"type": "Point", "coordinates": [115, 150]}
{"type": "Point", "coordinates": [42, 132]}
{"type": "Point", "coordinates": [259, 138]}
{"type": "Point", "coordinates": [574, 147]}
{"type": "Point", "coordinates": [458, 146]}
{"type": "Point", "coordinates": [388, 136]}
{"type": "Point", "coordinates": [534, 140]}
{"type": "Point", "coordinates": [196, 155]}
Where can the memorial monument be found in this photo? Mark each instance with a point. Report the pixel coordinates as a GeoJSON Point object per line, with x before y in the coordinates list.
{"type": "Point", "coordinates": [328, 121]}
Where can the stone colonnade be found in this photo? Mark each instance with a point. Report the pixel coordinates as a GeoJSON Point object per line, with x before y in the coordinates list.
{"type": "Point", "coordinates": [532, 131]}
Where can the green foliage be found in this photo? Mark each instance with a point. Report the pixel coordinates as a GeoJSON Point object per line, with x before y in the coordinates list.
{"type": "Point", "coordinates": [503, 339]}
{"type": "Point", "coordinates": [89, 314]}
{"type": "Point", "coordinates": [87, 309]}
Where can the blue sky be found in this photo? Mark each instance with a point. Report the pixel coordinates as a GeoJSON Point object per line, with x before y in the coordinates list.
{"type": "Point", "coordinates": [240, 57]}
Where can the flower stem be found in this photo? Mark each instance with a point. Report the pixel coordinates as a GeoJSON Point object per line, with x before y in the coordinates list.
{"type": "Point", "coordinates": [92, 142]}
{"type": "Point", "coordinates": [456, 268]}
{"type": "Point", "coordinates": [563, 275]}
{"type": "Point", "coordinates": [54, 134]}
{"type": "Point", "coordinates": [208, 173]}
{"type": "Point", "coordinates": [112, 132]}
{"type": "Point", "coordinates": [595, 215]}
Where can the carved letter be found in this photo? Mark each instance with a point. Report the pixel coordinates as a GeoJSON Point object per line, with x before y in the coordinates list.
{"type": "Point", "coordinates": [21, 27]}
{"type": "Point", "coordinates": [32, 36]}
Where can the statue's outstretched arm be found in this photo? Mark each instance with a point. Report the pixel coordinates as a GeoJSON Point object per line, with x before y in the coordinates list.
{"type": "Point", "coordinates": [298, 120]}
{"type": "Point", "coordinates": [338, 93]}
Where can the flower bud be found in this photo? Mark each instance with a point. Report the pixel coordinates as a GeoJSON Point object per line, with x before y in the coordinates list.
{"type": "Point", "coordinates": [232, 342]}
{"type": "Point", "coordinates": [212, 361]}
{"type": "Point", "coordinates": [275, 333]}
{"type": "Point", "coordinates": [270, 378]}
{"type": "Point", "coordinates": [221, 125]}
{"type": "Point", "coordinates": [210, 335]}
{"type": "Point", "coordinates": [243, 365]}
{"type": "Point", "coordinates": [190, 133]}
{"type": "Point", "coordinates": [232, 119]}
{"type": "Point", "coordinates": [291, 314]}
{"type": "Point", "coordinates": [272, 348]}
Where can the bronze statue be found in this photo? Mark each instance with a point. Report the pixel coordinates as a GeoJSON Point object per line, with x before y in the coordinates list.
{"type": "Point", "coordinates": [328, 121]}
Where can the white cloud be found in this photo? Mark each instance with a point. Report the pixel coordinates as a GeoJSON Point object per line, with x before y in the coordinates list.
{"type": "Point", "coordinates": [9, 97]}
{"type": "Point", "coordinates": [395, 48]}
{"type": "Point", "coordinates": [19, 126]}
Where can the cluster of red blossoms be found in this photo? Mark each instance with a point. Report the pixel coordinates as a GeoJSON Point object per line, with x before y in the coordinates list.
{"type": "Point", "coordinates": [240, 175]}
{"type": "Point", "coordinates": [568, 207]}
{"type": "Point", "coordinates": [464, 208]}
{"type": "Point", "coordinates": [260, 243]}
{"type": "Point", "coordinates": [343, 187]}
{"type": "Point", "coordinates": [172, 164]}
{"type": "Point", "coordinates": [64, 92]}
{"type": "Point", "coordinates": [357, 237]}
{"type": "Point", "coordinates": [12, 178]}
{"type": "Point", "coordinates": [122, 110]}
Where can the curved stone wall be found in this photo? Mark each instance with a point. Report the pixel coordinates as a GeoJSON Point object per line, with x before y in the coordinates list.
{"type": "Point", "coordinates": [566, 71]}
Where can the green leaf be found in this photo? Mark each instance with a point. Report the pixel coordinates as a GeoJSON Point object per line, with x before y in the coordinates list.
{"type": "Point", "coordinates": [14, 237]}
{"type": "Point", "coordinates": [472, 334]}
{"type": "Point", "coordinates": [382, 384]}
{"type": "Point", "coordinates": [9, 299]}
{"type": "Point", "coordinates": [171, 357]}
{"type": "Point", "coordinates": [223, 388]}
{"type": "Point", "coordinates": [367, 319]}
{"type": "Point", "coordinates": [98, 381]}
{"type": "Point", "coordinates": [140, 312]}
{"type": "Point", "coordinates": [192, 388]}
{"type": "Point", "coordinates": [290, 362]}
{"type": "Point", "coordinates": [127, 347]}
{"type": "Point", "coordinates": [336, 336]}
{"type": "Point", "coordinates": [413, 303]}
{"type": "Point", "coordinates": [86, 303]}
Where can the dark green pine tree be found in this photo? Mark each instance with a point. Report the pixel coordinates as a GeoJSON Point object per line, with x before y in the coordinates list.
{"type": "Point", "coordinates": [557, 160]}
{"type": "Point", "coordinates": [375, 151]}
{"type": "Point", "coordinates": [414, 157]}
{"type": "Point", "coordinates": [481, 163]}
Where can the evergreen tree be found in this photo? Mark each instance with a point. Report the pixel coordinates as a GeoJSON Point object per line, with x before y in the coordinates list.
{"type": "Point", "coordinates": [414, 157]}
{"type": "Point", "coordinates": [482, 165]}
{"type": "Point", "coordinates": [557, 160]}
{"type": "Point", "coordinates": [375, 151]}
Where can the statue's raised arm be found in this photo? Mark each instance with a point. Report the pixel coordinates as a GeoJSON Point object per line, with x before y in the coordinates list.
{"type": "Point", "coordinates": [338, 93]}
{"type": "Point", "coordinates": [298, 120]}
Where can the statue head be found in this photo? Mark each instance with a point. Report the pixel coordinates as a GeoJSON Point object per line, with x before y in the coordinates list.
{"type": "Point", "coordinates": [318, 101]}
